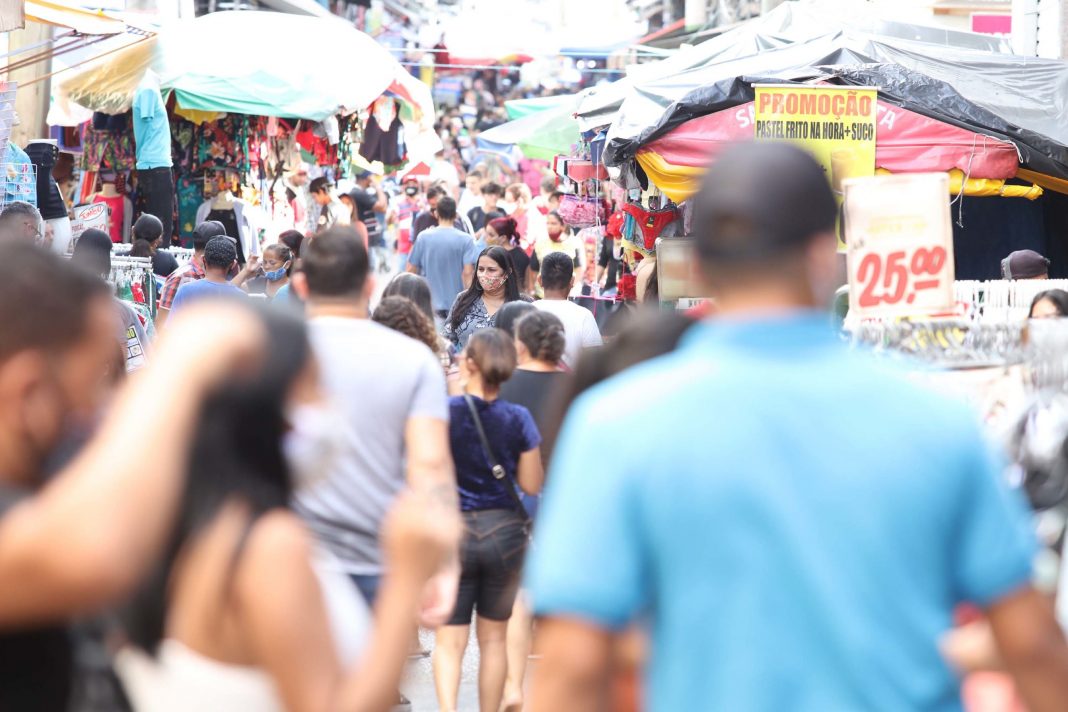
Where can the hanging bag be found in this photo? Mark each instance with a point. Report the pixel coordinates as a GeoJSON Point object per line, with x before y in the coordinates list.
{"type": "Point", "coordinates": [499, 473]}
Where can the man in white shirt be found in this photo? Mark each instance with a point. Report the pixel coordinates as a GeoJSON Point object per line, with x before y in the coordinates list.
{"type": "Point", "coordinates": [557, 278]}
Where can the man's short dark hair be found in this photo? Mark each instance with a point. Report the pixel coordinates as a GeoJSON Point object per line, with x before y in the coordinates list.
{"type": "Point", "coordinates": [320, 185]}
{"type": "Point", "coordinates": [148, 227]}
{"type": "Point", "coordinates": [335, 264]}
{"type": "Point", "coordinates": [92, 252]}
{"type": "Point", "coordinates": [446, 209]}
{"type": "Point", "coordinates": [205, 231]}
{"type": "Point", "coordinates": [492, 188]}
{"type": "Point", "coordinates": [557, 271]}
{"type": "Point", "coordinates": [220, 252]}
{"type": "Point", "coordinates": [435, 191]}
{"type": "Point", "coordinates": [44, 300]}
{"type": "Point", "coordinates": [792, 205]}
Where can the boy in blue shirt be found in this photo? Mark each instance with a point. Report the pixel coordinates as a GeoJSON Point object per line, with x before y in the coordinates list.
{"type": "Point", "coordinates": [220, 256]}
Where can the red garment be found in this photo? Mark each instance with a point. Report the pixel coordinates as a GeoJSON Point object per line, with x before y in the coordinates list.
{"type": "Point", "coordinates": [614, 228]}
{"type": "Point", "coordinates": [116, 215]}
{"type": "Point", "coordinates": [650, 222]}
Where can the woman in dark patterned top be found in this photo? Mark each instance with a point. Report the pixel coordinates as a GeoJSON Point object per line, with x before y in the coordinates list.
{"type": "Point", "coordinates": [495, 285]}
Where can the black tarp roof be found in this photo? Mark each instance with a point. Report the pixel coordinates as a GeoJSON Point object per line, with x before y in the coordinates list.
{"type": "Point", "coordinates": [1020, 99]}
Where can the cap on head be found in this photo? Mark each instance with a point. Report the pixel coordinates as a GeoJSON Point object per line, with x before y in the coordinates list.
{"type": "Point", "coordinates": [1024, 264]}
{"type": "Point", "coordinates": [758, 200]}
{"type": "Point", "coordinates": [206, 230]}
{"type": "Point", "coordinates": [148, 227]}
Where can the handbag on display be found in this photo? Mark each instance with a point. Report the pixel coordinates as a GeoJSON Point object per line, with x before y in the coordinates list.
{"type": "Point", "coordinates": [580, 212]}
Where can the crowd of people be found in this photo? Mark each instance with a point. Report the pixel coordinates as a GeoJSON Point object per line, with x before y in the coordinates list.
{"type": "Point", "coordinates": [742, 509]}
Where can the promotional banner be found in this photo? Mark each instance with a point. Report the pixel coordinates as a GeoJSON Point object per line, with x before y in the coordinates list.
{"type": "Point", "coordinates": [835, 124]}
{"type": "Point", "coordinates": [900, 254]}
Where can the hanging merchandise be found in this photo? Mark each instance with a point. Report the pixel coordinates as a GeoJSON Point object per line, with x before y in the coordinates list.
{"type": "Point", "coordinates": [105, 150]}
{"type": "Point", "coordinates": [152, 134]}
{"type": "Point", "coordinates": [241, 219]}
{"type": "Point", "coordinates": [383, 136]}
{"type": "Point", "coordinates": [43, 153]}
{"type": "Point", "coordinates": [650, 224]}
{"type": "Point", "coordinates": [580, 212]}
{"type": "Point", "coordinates": [19, 176]}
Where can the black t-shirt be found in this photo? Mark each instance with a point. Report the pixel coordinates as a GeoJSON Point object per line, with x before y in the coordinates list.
{"type": "Point", "coordinates": [533, 390]}
{"type": "Point", "coordinates": [365, 210]}
{"type": "Point", "coordinates": [36, 665]}
{"type": "Point", "coordinates": [479, 217]}
{"type": "Point", "coordinates": [163, 263]}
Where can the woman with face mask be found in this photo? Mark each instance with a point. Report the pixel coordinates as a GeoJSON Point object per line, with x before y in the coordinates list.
{"type": "Point", "coordinates": [267, 276]}
{"type": "Point", "coordinates": [242, 612]}
{"type": "Point", "coordinates": [558, 238]}
{"type": "Point", "coordinates": [495, 284]}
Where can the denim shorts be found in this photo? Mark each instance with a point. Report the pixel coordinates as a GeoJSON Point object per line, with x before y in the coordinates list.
{"type": "Point", "coordinates": [491, 558]}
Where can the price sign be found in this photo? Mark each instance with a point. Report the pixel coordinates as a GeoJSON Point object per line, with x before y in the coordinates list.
{"type": "Point", "coordinates": [899, 245]}
{"type": "Point", "coordinates": [88, 216]}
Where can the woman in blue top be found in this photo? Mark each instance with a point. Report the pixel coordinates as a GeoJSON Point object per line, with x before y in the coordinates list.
{"type": "Point", "coordinates": [495, 536]}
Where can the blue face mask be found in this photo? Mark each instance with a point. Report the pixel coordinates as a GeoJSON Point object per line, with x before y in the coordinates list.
{"type": "Point", "coordinates": [276, 275]}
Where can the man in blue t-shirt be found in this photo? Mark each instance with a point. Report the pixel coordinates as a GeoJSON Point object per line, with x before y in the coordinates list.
{"type": "Point", "coordinates": [220, 256]}
{"type": "Point", "coordinates": [446, 257]}
{"type": "Point", "coordinates": [797, 523]}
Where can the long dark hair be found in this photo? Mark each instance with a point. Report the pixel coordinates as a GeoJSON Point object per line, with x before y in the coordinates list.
{"type": "Point", "coordinates": [236, 455]}
{"type": "Point", "coordinates": [413, 287]}
{"type": "Point", "coordinates": [1056, 297]}
{"type": "Point", "coordinates": [467, 299]}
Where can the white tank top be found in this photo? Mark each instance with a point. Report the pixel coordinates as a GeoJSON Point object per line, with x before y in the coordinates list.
{"type": "Point", "coordinates": [180, 679]}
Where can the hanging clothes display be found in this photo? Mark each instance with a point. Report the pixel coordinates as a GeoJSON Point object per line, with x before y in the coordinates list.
{"type": "Point", "coordinates": [382, 137]}
{"type": "Point", "coordinates": [43, 154]}
{"type": "Point", "coordinates": [152, 135]}
{"type": "Point", "coordinates": [106, 150]}
{"type": "Point", "coordinates": [118, 213]}
{"type": "Point", "coordinates": [20, 176]}
{"type": "Point", "coordinates": [240, 216]}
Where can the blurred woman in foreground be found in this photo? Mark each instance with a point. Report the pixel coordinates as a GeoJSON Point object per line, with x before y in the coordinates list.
{"type": "Point", "coordinates": [236, 616]}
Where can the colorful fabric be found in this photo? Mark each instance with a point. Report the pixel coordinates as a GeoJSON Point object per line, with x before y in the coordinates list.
{"type": "Point", "coordinates": [188, 273]}
{"type": "Point", "coordinates": [105, 150]}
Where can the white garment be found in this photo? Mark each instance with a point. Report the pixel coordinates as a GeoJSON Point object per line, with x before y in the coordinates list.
{"type": "Point", "coordinates": [445, 172]}
{"type": "Point", "coordinates": [181, 679]}
{"type": "Point", "coordinates": [580, 328]}
{"type": "Point", "coordinates": [250, 221]}
{"type": "Point", "coordinates": [468, 202]}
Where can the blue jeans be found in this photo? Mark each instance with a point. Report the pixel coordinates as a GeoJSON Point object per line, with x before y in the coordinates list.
{"type": "Point", "coordinates": [368, 585]}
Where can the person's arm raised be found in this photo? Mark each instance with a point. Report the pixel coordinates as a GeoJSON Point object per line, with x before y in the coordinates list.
{"type": "Point", "coordinates": [86, 540]}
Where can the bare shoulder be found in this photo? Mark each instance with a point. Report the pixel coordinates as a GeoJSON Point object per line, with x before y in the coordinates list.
{"type": "Point", "coordinates": [278, 546]}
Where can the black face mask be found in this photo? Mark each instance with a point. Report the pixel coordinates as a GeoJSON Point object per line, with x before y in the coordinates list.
{"type": "Point", "coordinates": [411, 191]}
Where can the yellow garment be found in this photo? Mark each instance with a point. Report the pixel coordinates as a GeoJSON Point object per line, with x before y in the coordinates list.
{"type": "Point", "coordinates": [197, 116]}
{"type": "Point", "coordinates": [984, 187]}
{"type": "Point", "coordinates": [677, 182]}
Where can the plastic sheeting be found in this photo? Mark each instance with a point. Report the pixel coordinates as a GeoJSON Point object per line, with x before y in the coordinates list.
{"type": "Point", "coordinates": [211, 65]}
{"type": "Point", "coordinates": [1020, 99]}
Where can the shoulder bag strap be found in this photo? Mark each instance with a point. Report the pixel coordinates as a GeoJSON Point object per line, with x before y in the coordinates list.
{"type": "Point", "coordinates": [499, 473]}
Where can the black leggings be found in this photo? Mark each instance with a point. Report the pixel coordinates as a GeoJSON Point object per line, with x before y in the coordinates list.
{"type": "Point", "coordinates": [491, 558]}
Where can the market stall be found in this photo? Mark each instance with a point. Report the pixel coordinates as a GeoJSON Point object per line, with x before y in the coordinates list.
{"type": "Point", "coordinates": [242, 124]}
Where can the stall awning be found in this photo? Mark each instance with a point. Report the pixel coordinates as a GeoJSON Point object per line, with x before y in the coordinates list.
{"type": "Point", "coordinates": [906, 142]}
{"type": "Point", "coordinates": [81, 21]}
{"type": "Point", "coordinates": [298, 7]}
{"type": "Point", "coordinates": [186, 56]}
